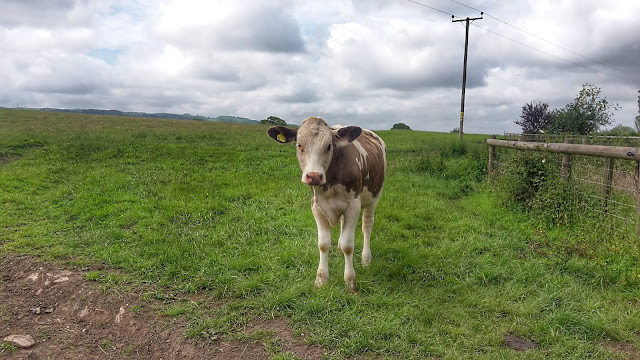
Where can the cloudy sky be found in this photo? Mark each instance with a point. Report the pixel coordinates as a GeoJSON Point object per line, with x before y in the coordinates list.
{"type": "Point", "coordinates": [365, 62]}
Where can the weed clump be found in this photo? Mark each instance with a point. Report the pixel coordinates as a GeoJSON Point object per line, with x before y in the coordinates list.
{"type": "Point", "coordinates": [532, 182]}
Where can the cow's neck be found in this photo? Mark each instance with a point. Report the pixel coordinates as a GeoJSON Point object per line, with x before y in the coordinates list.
{"type": "Point", "coordinates": [331, 203]}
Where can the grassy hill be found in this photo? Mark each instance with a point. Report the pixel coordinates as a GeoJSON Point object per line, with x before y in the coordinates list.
{"type": "Point", "coordinates": [218, 209]}
{"type": "Point", "coordinates": [221, 118]}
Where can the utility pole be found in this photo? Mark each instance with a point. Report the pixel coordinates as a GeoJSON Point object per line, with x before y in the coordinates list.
{"type": "Point", "coordinates": [464, 69]}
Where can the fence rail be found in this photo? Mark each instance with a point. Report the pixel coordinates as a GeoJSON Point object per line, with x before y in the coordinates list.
{"type": "Point", "coordinates": [562, 137]}
{"type": "Point", "coordinates": [614, 152]}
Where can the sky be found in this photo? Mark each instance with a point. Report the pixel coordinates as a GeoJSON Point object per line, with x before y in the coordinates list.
{"type": "Point", "coordinates": [371, 63]}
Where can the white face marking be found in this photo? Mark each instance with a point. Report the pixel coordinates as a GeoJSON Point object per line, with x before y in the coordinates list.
{"type": "Point", "coordinates": [315, 152]}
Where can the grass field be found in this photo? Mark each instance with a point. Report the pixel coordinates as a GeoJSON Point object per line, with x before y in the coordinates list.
{"type": "Point", "coordinates": [218, 209]}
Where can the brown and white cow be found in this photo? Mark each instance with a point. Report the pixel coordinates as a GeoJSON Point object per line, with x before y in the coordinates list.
{"type": "Point", "coordinates": [344, 166]}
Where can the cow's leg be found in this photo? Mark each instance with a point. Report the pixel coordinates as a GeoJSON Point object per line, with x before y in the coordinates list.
{"type": "Point", "coordinates": [324, 244]}
{"type": "Point", "coordinates": [367, 225]}
{"type": "Point", "coordinates": [346, 243]}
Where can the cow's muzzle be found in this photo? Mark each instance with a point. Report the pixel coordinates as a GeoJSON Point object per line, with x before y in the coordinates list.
{"type": "Point", "coordinates": [313, 178]}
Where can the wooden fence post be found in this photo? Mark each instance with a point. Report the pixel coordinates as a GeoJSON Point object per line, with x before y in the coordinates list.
{"type": "Point", "coordinates": [492, 159]}
{"type": "Point", "coordinates": [566, 162]}
{"type": "Point", "coordinates": [636, 178]}
{"type": "Point", "coordinates": [607, 179]}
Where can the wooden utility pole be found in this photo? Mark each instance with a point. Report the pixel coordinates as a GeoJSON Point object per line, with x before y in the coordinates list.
{"type": "Point", "coordinates": [464, 69]}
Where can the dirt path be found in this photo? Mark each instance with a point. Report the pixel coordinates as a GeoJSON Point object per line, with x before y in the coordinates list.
{"type": "Point", "coordinates": [69, 317]}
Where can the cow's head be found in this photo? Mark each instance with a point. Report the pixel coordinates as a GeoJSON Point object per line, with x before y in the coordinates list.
{"type": "Point", "coordinates": [316, 143]}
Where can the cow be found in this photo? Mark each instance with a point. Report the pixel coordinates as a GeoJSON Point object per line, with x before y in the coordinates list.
{"type": "Point", "coordinates": [344, 166]}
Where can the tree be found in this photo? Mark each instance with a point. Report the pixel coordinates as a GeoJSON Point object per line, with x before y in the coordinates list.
{"type": "Point", "coordinates": [620, 130]}
{"type": "Point", "coordinates": [585, 115]}
{"type": "Point", "coordinates": [535, 118]}
{"type": "Point", "coordinates": [400, 126]}
{"type": "Point", "coordinates": [273, 120]}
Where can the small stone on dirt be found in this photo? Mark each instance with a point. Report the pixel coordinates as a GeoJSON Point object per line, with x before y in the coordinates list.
{"type": "Point", "coordinates": [120, 314]}
{"type": "Point", "coordinates": [61, 279]}
{"type": "Point", "coordinates": [21, 341]}
{"type": "Point", "coordinates": [84, 312]}
{"type": "Point", "coordinates": [518, 344]}
{"type": "Point", "coordinates": [35, 310]}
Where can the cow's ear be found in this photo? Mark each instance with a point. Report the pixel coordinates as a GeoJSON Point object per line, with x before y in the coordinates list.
{"type": "Point", "coordinates": [282, 134]}
{"type": "Point", "coordinates": [350, 132]}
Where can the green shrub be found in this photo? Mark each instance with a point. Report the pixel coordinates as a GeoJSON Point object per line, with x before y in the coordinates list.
{"type": "Point", "coordinates": [554, 203]}
{"type": "Point", "coordinates": [532, 181]}
{"type": "Point", "coordinates": [525, 175]}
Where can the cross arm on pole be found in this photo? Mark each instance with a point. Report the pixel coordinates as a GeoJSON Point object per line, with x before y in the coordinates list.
{"type": "Point", "coordinates": [467, 18]}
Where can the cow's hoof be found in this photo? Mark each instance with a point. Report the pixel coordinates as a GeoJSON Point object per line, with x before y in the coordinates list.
{"type": "Point", "coordinates": [352, 288]}
{"type": "Point", "coordinates": [366, 259]}
{"type": "Point", "coordinates": [320, 282]}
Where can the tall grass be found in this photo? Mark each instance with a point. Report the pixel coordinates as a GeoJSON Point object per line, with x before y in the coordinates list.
{"type": "Point", "coordinates": [571, 219]}
{"type": "Point", "coordinates": [218, 209]}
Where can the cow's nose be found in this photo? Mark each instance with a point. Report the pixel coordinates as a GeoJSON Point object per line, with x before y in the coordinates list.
{"type": "Point", "coordinates": [314, 178]}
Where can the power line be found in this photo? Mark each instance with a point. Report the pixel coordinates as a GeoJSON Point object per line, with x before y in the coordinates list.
{"type": "Point", "coordinates": [620, 72]}
{"type": "Point", "coordinates": [540, 38]}
{"type": "Point", "coordinates": [526, 32]}
{"type": "Point", "coordinates": [430, 7]}
{"type": "Point", "coordinates": [530, 47]}
{"type": "Point", "coordinates": [612, 67]}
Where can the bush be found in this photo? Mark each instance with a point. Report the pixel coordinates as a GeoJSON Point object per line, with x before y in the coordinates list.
{"type": "Point", "coordinates": [535, 118]}
{"type": "Point", "coordinates": [400, 126]}
{"type": "Point", "coordinates": [532, 181]}
{"type": "Point", "coordinates": [525, 174]}
{"type": "Point", "coordinates": [273, 120]}
{"type": "Point", "coordinates": [619, 130]}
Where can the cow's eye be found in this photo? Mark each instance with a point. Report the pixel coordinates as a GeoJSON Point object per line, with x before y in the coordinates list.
{"type": "Point", "coordinates": [329, 147]}
{"type": "Point", "coordinates": [300, 147]}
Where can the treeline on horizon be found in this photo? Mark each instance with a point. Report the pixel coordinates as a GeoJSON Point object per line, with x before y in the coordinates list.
{"type": "Point", "coordinates": [186, 116]}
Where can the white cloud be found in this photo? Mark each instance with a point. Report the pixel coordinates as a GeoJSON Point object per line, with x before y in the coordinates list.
{"type": "Point", "coordinates": [260, 26]}
{"type": "Point", "coordinates": [370, 63]}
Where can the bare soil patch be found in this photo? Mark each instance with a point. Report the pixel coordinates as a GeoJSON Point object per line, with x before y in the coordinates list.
{"type": "Point", "coordinates": [626, 350]}
{"type": "Point", "coordinates": [70, 317]}
{"type": "Point", "coordinates": [7, 158]}
{"type": "Point", "coordinates": [519, 344]}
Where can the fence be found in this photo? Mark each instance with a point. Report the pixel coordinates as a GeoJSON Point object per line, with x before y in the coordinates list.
{"type": "Point", "coordinates": [606, 178]}
{"type": "Point", "coordinates": [584, 139]}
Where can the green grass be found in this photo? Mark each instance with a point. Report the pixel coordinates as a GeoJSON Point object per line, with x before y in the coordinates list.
{"type": "Point", "coordinates": [7, 348]}
{"type": "Point", "coordinates": [218, 209]}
